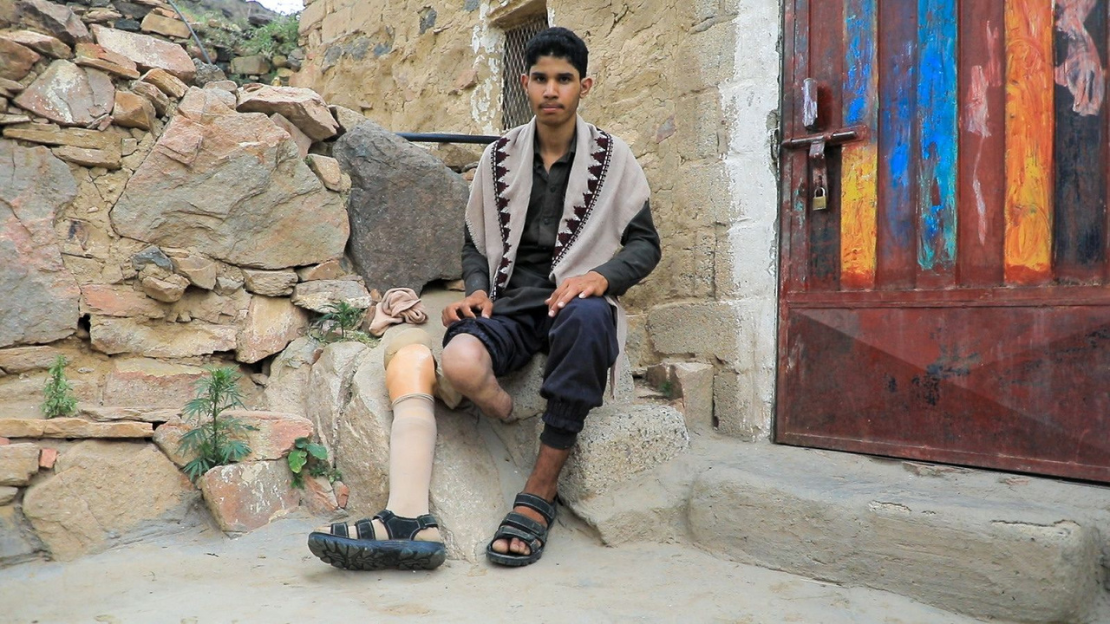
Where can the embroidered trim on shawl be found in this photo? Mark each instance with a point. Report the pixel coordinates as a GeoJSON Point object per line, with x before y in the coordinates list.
{"type": "Point", "coordinates": [598, 169]}
{"type": "Point", "coordinates": [500, 174]}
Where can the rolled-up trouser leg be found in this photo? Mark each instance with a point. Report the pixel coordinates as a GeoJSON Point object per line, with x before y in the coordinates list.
{"type": "Point", "coordinates": [582, 348]}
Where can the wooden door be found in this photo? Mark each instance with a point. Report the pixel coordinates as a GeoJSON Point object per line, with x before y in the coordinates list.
{"type": "Point", "coordinates": [952, 301]}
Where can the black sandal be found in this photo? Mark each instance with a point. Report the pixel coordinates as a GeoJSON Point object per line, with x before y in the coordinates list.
{"type": "Point", "coordinates": [525, 529]}
{"type": "Point", "coordinates": [366, 552]}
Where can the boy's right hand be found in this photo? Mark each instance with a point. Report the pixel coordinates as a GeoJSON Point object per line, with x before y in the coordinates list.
{"type": "Point", "coordinates": [478, 301]}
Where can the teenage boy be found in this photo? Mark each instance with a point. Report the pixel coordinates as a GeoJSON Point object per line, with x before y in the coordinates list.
{"type": "Point", "coordinates": [558, 225]}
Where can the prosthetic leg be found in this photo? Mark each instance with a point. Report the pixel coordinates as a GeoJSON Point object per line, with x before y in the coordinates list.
{"type": "Point", "coordinates": [403, 535]}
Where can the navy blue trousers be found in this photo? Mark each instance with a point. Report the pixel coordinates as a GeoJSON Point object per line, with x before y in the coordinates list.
{"type": "Point", "coordinates": [580, 343]}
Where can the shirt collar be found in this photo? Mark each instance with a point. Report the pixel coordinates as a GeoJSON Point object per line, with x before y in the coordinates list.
{"type": "Point", "coordinates": [568, 157]}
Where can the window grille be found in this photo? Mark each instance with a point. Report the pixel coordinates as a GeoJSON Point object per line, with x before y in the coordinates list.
{"type": "Point", "coordinates": [515, 109]}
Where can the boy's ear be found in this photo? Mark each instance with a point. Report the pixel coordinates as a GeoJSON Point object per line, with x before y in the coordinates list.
{"type": "Point", "coordinates": [524, 81]}
{"type": "Point", "coordinates": [587, 84]}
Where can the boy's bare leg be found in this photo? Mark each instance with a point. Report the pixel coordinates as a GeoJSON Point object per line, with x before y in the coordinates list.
{"type": "Point", "coordinates": [543, 482]}
{"type": "Point", "coordinates": [467, 365]}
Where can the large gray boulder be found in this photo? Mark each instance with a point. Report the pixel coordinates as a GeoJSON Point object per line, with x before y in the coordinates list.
{"type": "Point", "coordinates": [254, 187]}
{"type": "Point", "coordinates": [40, 295]}
{"type": "Point", "coordinates": [406, 209]}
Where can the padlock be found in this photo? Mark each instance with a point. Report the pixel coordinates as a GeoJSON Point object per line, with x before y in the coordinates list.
{"type": "Point", "coordinates": [820, 199]}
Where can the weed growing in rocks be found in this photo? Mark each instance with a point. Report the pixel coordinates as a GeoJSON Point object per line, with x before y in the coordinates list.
{"type": "Point", "coordinates": [312, 458]}
{"type": "Point", "coordinates": [279, 37]}
{"type": "Point", "coordinates": [58, 392]}
{"type": "Point", "coordinates": [216, 440]}
{"type": "Point", "coordinates": [339, 323]}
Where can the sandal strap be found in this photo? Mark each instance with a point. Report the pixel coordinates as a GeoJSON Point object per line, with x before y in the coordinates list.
{"type": "Point", "coordinates": [520, 522]}
{"type": "Point", "coordinates": [365, 529]}
{"type": "Point", "coordinates": [399, 527]}
{"type": "Point", "coordinates": [537, 504]}
{"type": "Point", "coordinates": [339, 529]}
{"type": "Point", "coordinates": [507, 532]}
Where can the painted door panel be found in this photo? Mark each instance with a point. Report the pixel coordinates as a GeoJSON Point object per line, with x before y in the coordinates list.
{"type": "Point", "coordinates": [953, 302]}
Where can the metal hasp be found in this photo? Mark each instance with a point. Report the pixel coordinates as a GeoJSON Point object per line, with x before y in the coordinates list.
{"type": "Point", "coordinates": [818, 166]}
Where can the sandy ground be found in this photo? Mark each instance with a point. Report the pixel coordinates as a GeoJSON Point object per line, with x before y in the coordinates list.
{"type": "Point", "coordinates": [269, 576]}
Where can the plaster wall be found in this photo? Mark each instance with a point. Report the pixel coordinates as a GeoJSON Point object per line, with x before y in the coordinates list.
{"type": "Point", "coordinates": [691, 85]}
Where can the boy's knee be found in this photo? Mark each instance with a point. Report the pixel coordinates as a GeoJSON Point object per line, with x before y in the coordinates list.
{"type": "Point", "coordinates": [461, 355]}
{"type": "Point", "coordinates": [589, 309]}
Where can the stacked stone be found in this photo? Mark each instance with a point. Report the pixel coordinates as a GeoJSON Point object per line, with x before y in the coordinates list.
{"type": "Point", "coordinates": [150, 228]}
{"type": "Point", "coordinates": [154, 18]}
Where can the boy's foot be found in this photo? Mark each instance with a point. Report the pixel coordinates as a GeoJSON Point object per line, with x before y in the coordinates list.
{"type": "Point", "coordinates": [522, 536]}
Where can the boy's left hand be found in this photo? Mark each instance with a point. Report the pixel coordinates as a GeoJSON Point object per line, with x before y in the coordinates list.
{"type": "Point", "coordinates": [592, 284]}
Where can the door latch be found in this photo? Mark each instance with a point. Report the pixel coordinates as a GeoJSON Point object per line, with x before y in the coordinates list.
{"type": "Point", "coordinates": [818, 144]}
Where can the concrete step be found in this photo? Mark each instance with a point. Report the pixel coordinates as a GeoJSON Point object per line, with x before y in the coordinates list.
{"type": "Point", "coordinates": [985, 544]}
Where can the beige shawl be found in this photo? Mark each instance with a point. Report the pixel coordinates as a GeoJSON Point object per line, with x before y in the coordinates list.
{"type": "Point", "coordinates": [606, 189]}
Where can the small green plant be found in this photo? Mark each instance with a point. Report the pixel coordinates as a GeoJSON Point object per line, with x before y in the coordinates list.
{"type": "Point", "coordinates": [216, 440]}
{"type": "Point", "coordinates": [339, 322]}
{"type": "Point", "coordinates": [312, 458]}
{"type": "Point", "coordinates": [58, 392]}
{"type": "Point", "coordinates": [277, 37]}
{"type": "Point", "coordinates": [667, 389]}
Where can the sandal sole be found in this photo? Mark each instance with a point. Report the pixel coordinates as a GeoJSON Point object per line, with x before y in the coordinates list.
{"type": "Point", "coordinates": [352, 554]}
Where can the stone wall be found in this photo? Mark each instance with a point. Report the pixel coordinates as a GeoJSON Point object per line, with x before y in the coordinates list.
{"type": "Point", "coordinates": [694, 89]}
{"type": "Point", "coordinates": [150, 229]}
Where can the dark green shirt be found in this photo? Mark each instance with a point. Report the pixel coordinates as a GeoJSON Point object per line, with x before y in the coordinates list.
{"type": "Point", "coordinates": [531, 281]}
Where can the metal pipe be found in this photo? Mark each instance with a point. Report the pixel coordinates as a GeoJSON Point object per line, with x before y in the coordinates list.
{"type": "Point", "coordinates": [200, 45]}
{"type": "Point", "coordinates": [439, 137]}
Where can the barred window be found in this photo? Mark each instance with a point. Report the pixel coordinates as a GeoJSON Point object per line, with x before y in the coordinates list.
{"type": "Point", "coordinates": [515, 109]}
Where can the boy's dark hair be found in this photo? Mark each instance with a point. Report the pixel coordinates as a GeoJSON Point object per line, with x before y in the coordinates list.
{"type": "Point", "coordinates": [559, 43]}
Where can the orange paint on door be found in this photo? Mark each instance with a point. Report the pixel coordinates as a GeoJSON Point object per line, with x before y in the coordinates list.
{"type": "Point", "coordinates": [1029, 141]}
{"type": "Point", "coordinates": [859, 198]}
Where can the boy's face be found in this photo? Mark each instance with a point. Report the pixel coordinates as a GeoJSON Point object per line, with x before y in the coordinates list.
{"type": "Point", "coordinates": [554, 89]}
